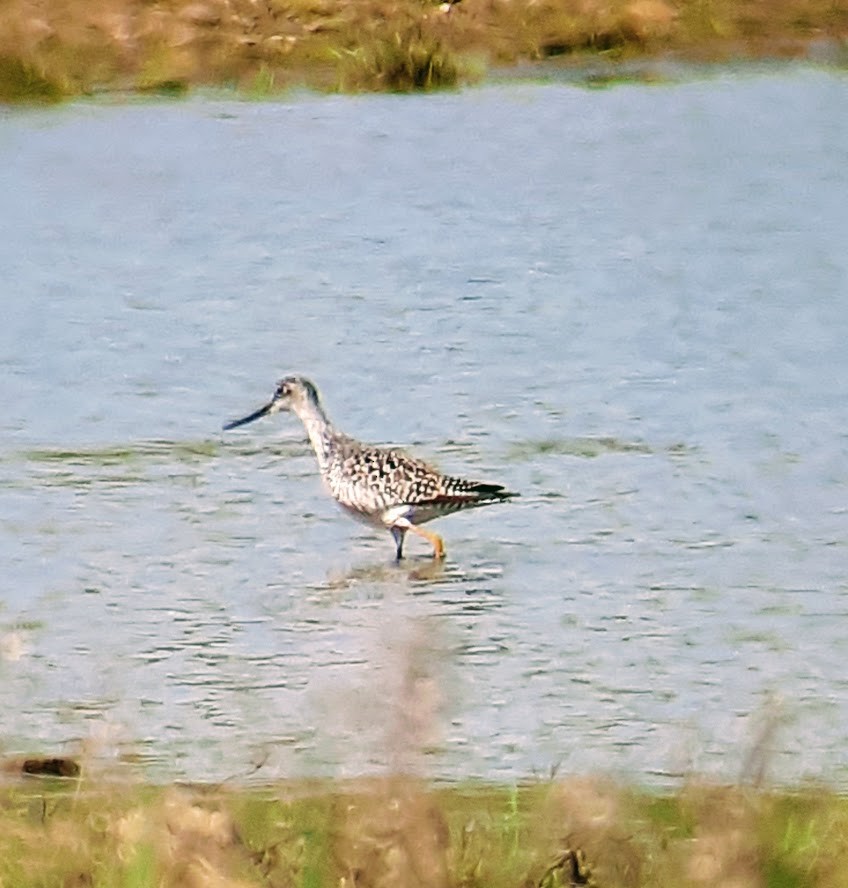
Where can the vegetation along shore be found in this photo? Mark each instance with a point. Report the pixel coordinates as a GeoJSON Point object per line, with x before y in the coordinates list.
{"type": "Point", "coordinates": [403, 833]}
{"type": "Point", "coordinates": [49, 51]}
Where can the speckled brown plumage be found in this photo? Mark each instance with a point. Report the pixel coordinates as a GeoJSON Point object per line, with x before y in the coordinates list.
{"type": "Point", "coordinates": [382, 486]}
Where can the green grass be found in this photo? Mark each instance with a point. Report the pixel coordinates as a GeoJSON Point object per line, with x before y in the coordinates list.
{"type": "Point", "coordinates": [23, 82]}
{"type": "Point", "coordinates": [406, 59]}
{"type": "Point", "coordinates": [401, 832]}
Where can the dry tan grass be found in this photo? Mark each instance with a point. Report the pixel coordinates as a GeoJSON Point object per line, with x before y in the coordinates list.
{"type": "Point", "coordinates": [394, 836]}
{"type": "Point", "coordinates": [70, 46]}
{"type": "Point", "coordinates": [403, 833]}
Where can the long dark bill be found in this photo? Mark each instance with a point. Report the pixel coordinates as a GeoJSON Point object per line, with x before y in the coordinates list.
{"type": "Point", "coordinates": [257, 414]}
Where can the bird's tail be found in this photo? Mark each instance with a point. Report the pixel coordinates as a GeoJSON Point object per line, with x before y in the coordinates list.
{"type": "Point", "coordinates": [491, 492]}
{"type": "Point", "coordinates": [476, 491]}
{"type": "Point", "coordinates": [459, 495]}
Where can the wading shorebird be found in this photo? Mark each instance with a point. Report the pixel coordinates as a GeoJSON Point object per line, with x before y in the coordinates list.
{"type": "Point", "coordinates": [382, 486]}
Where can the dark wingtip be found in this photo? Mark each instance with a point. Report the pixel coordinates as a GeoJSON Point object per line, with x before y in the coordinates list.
{"type": "Point", "coordinates": [494, 492]}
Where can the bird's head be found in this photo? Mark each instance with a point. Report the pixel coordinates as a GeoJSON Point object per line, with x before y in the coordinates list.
{"type": "Point", "coordinates": [294, 393]}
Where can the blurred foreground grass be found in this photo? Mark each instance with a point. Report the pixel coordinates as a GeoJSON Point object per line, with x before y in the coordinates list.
{"type": "Point", "coordinates": [400, 832]}
{"type": "Point", "coordinates": [71, 47]}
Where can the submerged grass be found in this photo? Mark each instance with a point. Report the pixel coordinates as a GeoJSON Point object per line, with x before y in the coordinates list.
{"type": "Point", "coordinates": [401, 832]}
{"type": "Point", "coordinates": [70, 47]}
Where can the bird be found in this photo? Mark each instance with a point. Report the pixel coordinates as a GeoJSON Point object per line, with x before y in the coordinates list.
{"type": "Point", "coordinates": [382, 486]}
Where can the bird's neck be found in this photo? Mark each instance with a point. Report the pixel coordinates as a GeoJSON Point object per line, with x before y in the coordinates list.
{"type": "Point", "coordinates": [319, 430]}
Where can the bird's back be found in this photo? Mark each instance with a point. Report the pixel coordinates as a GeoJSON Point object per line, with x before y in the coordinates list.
{"type": "Point", "coordinates": [371, 480]}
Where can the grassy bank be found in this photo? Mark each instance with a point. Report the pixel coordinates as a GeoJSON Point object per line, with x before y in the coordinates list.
{"type": "Point", "coordinates": [72, 47]}
{"type": "Point", "coordinates": [403, 833]}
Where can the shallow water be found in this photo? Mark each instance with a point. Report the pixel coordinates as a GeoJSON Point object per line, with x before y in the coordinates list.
{"type": "Point", "coordinates": [629, 305]}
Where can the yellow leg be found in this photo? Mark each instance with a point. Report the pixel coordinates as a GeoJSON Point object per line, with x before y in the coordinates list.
{"type": "Point", "coordinates": [434, 538]}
